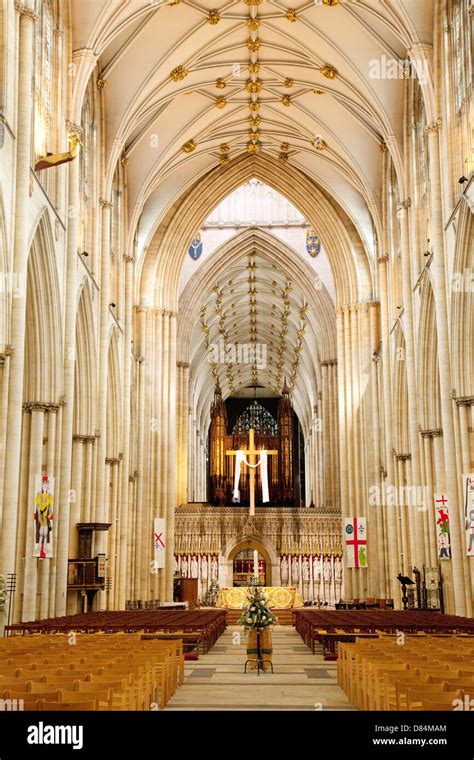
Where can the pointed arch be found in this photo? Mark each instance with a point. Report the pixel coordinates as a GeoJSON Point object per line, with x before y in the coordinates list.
{"type": "Point", "coordinates": [160, 267]}
{"type": "Point", "coordinates": [428, 380]}
{"type": "Point", "coordinates": [43, 341]}
{"type": "Point", "coordinates": [86, 365]}
{"type": "Point", "coordinates": [462, 346]}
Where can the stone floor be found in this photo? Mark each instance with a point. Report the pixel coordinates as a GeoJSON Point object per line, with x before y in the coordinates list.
{"type": "Point", "coordinates": [301, 681]}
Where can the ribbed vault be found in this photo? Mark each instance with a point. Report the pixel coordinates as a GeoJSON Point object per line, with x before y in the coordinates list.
{"type": "Point", "coordinates": [256, 290]}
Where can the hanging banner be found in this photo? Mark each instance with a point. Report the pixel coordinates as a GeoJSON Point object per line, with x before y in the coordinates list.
{"type": "Point", "coordinates": [468, 496]}
{"type": "Point", "coordinates": [159, 543]}
{"type": "Point", "coordinates": [443, 537]}
{"type": "Point", "coordinates": [356, 542]}
{"type": "Point", "coordinates": [43, 516]}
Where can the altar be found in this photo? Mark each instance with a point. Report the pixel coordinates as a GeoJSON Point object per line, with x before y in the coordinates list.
{"type": "Point", "coordinates": [277, 597]}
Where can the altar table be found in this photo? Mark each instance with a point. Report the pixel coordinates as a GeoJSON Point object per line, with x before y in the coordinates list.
{"type": "Point", "coordinates": [277, 597]}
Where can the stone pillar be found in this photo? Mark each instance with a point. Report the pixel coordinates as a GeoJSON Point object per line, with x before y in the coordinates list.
{"type": "Point", "coordinates": [171, 491]}
{"type": "Point", "coordinates": [388, 476]}
{"type": "Point", "coordinates": [461, 581]}
{"type": "Point", "coordinates": [419, 555]}
{"type": "Point", "coordinates": [343, 434]}
{"type": "Point", "coordinates": [35, 468]}
{"type": "Point", "coordinates": [64, 501]}
{"type": "Point", "coordinates": [20, 263]}
{"type": "Point", "coordinates": [125, 505]}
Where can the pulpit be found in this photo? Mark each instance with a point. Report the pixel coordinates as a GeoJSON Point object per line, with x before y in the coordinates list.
{"type": "Point", "coordinates": [186, 590]}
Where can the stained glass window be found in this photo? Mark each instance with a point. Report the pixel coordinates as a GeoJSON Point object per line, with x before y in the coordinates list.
{"type": "Point", "coordinates": [258, 418]}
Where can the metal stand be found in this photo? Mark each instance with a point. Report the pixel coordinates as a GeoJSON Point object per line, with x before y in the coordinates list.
{"type": "Point", "coordinates": [260, 660]}
{"type": "Point", "coordinates": [10, 589]}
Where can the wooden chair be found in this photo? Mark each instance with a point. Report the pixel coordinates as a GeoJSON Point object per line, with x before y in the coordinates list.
{"type": "Point", "coordinates": [83, 706]}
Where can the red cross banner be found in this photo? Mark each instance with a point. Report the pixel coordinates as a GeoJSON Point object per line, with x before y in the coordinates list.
{"type": "Point", "coordinates": [443, 538]}
{"type": "Point", "coordinates": [468, 494]}
{"type": "Point", "coordinates": [355, 536]}
{"type": "Point", "coordinates": [159, 542]}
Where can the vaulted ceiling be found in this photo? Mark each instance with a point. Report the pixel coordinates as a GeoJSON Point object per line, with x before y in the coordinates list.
{"type": "Point", "coordinates": [190, 84]}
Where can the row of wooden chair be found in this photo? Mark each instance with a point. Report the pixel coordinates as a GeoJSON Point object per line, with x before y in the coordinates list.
{"type": "Point", "coordinates": [389, 673]}
{"type": "Point", "coordinates": [208, 625]}
{"type": "Point", "coordinates": [101, 672]}
{"type": "Point", "coordinates": [313, 625]}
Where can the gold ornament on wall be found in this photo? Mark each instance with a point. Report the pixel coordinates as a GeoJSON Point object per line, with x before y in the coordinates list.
{"type": "Point", "coordinates": [291, 15]}
{"type": "Point", "coordinates": [253, 24]}
{"type": "Point", "coordinates": [220, 84]}
{"type": "Point", "coordinates": [319, 143]}
{"type": "Point", "coordinates": [214, 17]}
{"type": "Point", "coordinates": [328, 71]}
{"type": "Point", "coordinates": [254, 136]}
{"type": "Point", "coordinates": [253, 148]}
{"type": "Point", "coordinates": [286, 100]}
{"type": "Point", "coordinates": [189, 146]}
{"type": "Point", "coordinates": [224, 148]}
{"type": "Point", "coordinates": [254, 121]}
{"type": "Point", "coordinates": [101, 83]}
{"type": "Point", "coordinates": [124, 161]}
{"type": "Point", "coordinates": [283, 157]}
{"type": "Point", "coordinates": [179, 73]}
{"type": "Point", "coordinates": [253, 86]}
{"type": "Point", "coordinates": [330, 2]}
{"type": "Point", "coordinates": [253, 45]}
{"type": "Point", "coordinates": [221, 102]}
{"type": "Point", "coordinates": [289, 82]}
{"type": "Point", "coordinates": [254, 68]}
{"type": "Point", "coordinates": [285, 147]}
{"type": "Point", "coordinates": [254, 106]}
{"type": "Point", "coordinates": [252, 2]}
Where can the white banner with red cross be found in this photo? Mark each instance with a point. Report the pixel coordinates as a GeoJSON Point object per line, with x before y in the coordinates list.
{"type": "Point", "coordinates": [159, 542]}
{"type": "Point", "coordinates": [443, 538]}
{"type": "Point", "coordinates": [355, 536]}
{"type": "Point", "coordinates": [468, 495]}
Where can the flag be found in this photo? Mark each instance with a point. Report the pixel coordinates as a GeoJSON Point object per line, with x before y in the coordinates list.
{"type": "Point", "coordinates": [442, 526]}
{"type": "Point", "coordinates": [159, 542]}
{"type": "Point", "coordinates": [468, 496]}
{"type": "Point", "coordinates": [355, 534]}
{"type": "Point", "coordinates": [43, 516]}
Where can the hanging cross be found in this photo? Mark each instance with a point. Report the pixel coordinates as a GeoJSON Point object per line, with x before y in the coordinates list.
{"type": "Point", "coordinates": [250, 453]}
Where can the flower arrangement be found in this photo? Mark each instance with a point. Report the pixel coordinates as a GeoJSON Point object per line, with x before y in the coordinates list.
{"type": "Point", "coordinates": [256, 614]}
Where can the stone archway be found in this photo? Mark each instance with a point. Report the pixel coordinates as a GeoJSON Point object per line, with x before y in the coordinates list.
{"type": "Point", "coordinates": [250, 542]}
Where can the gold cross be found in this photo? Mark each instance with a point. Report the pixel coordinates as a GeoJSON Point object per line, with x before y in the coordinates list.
{"type": "Point", "coordinates": [251, 452]}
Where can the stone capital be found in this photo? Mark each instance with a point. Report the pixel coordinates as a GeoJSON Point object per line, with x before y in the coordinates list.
{"type": "Point", "coordinates": [74, 129]}
{"type": "Point", "coordinates": [128, 259]}
{"type": "Point", "coordinates": [105, 204]}
{"type": "Point", "coordinates": [383, 259]}
{"type": "Point", "coordinates": [433, 127]}
{"type": "Point", "coordinates": [26, 11]}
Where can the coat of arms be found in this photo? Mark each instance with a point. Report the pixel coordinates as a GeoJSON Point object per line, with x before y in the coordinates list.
{"type": "Point", "coordinates": [313, 243]}
{"type": "Point", "coordinates": [195, 249]}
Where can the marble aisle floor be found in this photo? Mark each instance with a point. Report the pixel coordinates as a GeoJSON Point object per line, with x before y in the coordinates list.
{"type": "Point", "coordinates": [301, 681]}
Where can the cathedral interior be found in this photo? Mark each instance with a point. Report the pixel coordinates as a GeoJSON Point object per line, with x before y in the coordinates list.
{"type": "Point", "coordinates": [236, 305]}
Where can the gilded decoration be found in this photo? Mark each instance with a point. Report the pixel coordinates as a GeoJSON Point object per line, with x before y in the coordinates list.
{"type": "Point", "coordinates": [328, 71]}
{"type": "Point", "coordinates": [179, 73]}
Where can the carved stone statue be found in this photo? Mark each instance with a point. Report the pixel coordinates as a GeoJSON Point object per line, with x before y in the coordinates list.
{"type": "Point", "coordinates": [338, 570]}
{"type": "Point", "coordinates": [194, 567]}
{"type": "Point", "coordinates": [305, 569]}
{"type": "Point", "coordinates": [284, 569]}
{"type": "Point", "coordinates": [317, 567]}
{"type": "Point", "coordinates": [214, 568]}
{"type": "Point", "coordinates": [204, 567]}
{"type": "Point", "coordinates": [295, 568]}
{"type": "Point", "coordinates": [184, 566]}
{"type": "Point", "coordinates": [327, 569]}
